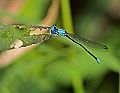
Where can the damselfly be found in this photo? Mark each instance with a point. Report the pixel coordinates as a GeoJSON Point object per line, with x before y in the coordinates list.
{"type": "Point", "coordinates": [24, 33]}
{"type": "Point", "coordinates": [79, 40]}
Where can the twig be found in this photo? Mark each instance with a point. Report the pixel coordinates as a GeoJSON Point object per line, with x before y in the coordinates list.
{"type": "Point", "coordinates": [8, 57]}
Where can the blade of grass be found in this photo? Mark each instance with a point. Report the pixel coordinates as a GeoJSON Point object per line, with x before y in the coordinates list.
{"type": "Point", "coordinates": [76, 76]}
{"type": "Point", "coordinates": [66, 15]}
{"type": "Point", "coordinates": [67, 24]}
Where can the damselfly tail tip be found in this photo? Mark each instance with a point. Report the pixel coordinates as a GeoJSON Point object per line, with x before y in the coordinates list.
{"type": "Point", "coordinates": [98, 60]}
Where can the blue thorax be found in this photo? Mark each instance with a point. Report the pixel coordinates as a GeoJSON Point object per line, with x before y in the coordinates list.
{"type": "Point", "coordinates": [61, 32]}
{"type": "Point", "coordinates": [57, 31]}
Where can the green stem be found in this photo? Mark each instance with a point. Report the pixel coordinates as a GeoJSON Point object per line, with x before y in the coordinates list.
{"type": "Point", "coordinates": [67, 23]}
{"type": "Point", "coordinates": [77, 81]}
{"type": "Point", "coordinates": [66, 15]}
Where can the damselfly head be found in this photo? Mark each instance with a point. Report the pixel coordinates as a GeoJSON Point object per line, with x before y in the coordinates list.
{"type": "Point", "coordinates": [54, 29]}
{"type": "Point", "coordinates": [57, 31]}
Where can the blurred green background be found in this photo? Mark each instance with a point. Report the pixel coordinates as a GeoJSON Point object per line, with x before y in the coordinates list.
{"type": "Point", "coordinates": [58, 65]}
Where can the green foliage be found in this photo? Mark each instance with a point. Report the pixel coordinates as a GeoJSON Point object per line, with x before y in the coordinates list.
{"type": "Point", "coordinates": [58, 63]}
{"type": "Point", "coordinates": [30, 12]}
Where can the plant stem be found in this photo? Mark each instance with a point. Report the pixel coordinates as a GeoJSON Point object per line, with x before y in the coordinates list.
{"type": "Point", "coordinates": [66, 15]}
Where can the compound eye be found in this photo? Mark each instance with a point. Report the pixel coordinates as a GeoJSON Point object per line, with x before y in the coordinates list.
{"type": "Point", "coordinates": [53, 29]}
